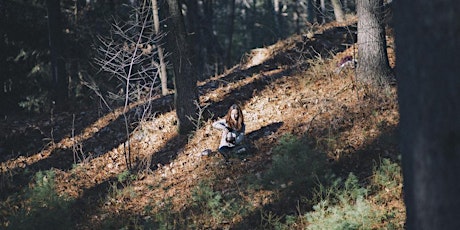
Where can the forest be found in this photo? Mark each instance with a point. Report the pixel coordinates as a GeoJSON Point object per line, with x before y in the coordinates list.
{"type": "Point", "coordinates": [348, 110]}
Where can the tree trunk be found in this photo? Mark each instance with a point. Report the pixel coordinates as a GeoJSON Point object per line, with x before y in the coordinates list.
{"type": "Point", "coordinates": [195, 36]}
{"type": "Point", "coordinates": [184, 75]}
{"type": "Point", "coordinates": [162, 69]}
{"type": "Point", "coordinates": [373, 67]}
{"type": "Point", "coordinates": [348, 5]}
{"type": "Point", "coordinates": [231, 20]}
{"type": "Point", "coordinates": [428, 86]}
{"type": "Point", "coordinates": [214, 52]}
{"type": "Point", "coordinates": [311, 11]}
{"type": "Point", "coordinates": [251, 22]}
{"type": "Point", "coordinates": [320, 11]}
{"type": "Point", "coordinates": [322, 4]}
{"type": "Point", "coordinates": [297, 17]}
{"type": "Point", "coordinates": [278, 16]}
{"type": "Point", "coordinates": [210, 55]}
{"type": "Point", "coordinates": [338, 10]}
{"type": "Point", "coordinates": [60, 88]}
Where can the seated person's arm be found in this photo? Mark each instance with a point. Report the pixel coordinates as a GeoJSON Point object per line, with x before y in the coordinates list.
{"type": "Point", "coordinates": [220, 124]}
{"type": "Point", "coordinates": [240, 135]}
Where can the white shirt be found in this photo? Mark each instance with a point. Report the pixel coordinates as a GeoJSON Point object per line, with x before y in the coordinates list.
{"type": "Point", "coordinates": [222, 125]}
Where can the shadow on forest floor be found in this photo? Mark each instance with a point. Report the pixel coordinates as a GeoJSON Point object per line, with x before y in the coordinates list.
{"type": "Point", "coordinates": [113, 134]}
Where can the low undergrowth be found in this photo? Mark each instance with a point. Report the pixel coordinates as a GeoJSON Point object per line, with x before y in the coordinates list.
{"type": "Point", "coordinates": [42, 207]}
{"type": "Point", "coordinates": [301, 126]}
{"type": "Point", "coordinates": [348, 204]}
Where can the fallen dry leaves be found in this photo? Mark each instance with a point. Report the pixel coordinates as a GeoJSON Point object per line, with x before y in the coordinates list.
{"type": "Point", "coordinates": [341, 119]}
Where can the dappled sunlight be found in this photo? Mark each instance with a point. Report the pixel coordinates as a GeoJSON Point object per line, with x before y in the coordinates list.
{"type": "Point", "coordinates": [328, 109]}
{"type": "Point", "coordinates": [147, 139]}
{"type": "Point", "coordinates": [65, 144]}
{"type": "Point", "coordinates": [242, 90]}
{"type": "Point", "coordinates": [283, 90]}
{"type": "Point", "coordinates": [257, 57]}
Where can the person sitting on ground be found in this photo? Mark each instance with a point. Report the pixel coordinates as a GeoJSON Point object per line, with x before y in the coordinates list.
{"type": "Point", "coordinates": [233, 128]}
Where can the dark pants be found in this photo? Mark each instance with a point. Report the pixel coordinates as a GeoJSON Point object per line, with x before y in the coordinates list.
{"type": "Point", "coordinates": [225, 151]}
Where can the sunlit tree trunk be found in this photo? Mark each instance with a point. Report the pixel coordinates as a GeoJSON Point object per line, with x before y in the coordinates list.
{"type": "Point", "coordinates": [297, 17]}
{"type": "Point", "coordinates": [427, 41]}
{"type": "Point", "coordinates": [185, 77]}
{"type": "Point", "coordinates": [322, 4]}
{"type": "Point", "coordinates": [162, 69]}
{"type": "Point", "coordinates": [373, 66]}
{"type": "Point", "coordinates": [338, 10]}
{"type": "Point", "coordinates": [60, 87]}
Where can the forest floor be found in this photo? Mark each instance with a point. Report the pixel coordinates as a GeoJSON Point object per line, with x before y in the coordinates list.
{"type": "Point", "coordinates": [289, 88]}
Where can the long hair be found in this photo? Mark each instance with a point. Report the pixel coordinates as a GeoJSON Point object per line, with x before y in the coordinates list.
{"type": "Point", "coordinates": [238, 124]}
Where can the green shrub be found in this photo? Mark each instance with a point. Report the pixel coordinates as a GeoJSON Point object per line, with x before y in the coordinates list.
{"type": "Point", "coordinates": [346, 205]}
{"type": "Point", "coordinates": [216, 208]}
{"type": "Point", "coordinates": [294, 162]}
{"type": "Point", "coordinates": [358, 214]}
{"type": "Point", "coordinates": [35, 103]}
{"type": "Point", "coordinates": [44, 208]}
{"type": "Point", "coordinates": [387, 177]}
{"type": "Point", "coordinates": [126, 177]}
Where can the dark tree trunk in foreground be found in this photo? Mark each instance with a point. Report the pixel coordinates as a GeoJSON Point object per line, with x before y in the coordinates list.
{"type": "Point", "coordinates": [184, 75]}
{"type": "Point", "coordinates": [373, 67]}
{"type": "Point", "coordinates": [60, 88]}
{"type": "Point", "coordinates": [428, 71]}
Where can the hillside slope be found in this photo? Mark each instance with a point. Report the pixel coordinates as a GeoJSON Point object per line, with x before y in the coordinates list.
{"type": "Point", "coordinates": [289, 88]}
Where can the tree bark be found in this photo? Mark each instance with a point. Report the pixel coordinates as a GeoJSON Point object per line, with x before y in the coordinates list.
{"type": "Point", "coordinates": [214, 52]}
{"type": "Point", "coordinates": [58, 73]}
{"type": "Point", "coordinates": [277, 15]}
{"type": "Point", "coordinates": [311, 11]}
{"type": "Point", "coordinates": [195, 36]}
{"type": "Point", "coordinates": [209, 55]}
{"type": "Point", "coordinates": [162, 69]}
{"type": "Point", "coordinates": [184, 75]}
{"type": "Point", "coordinates": [231, 19]}
{"type": "Point", "coordinates": [322, 4]}
{"type": "Point", "coordinates": [338, 10]}
{"type": "Point", "coordinates": [297, 17]}
{"type": "Point", "coordinates": [427, 40]}
{"type": "Point", "coordinates": [251, 22]}
{"type": "Point", "coordinates": [373, 66]}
